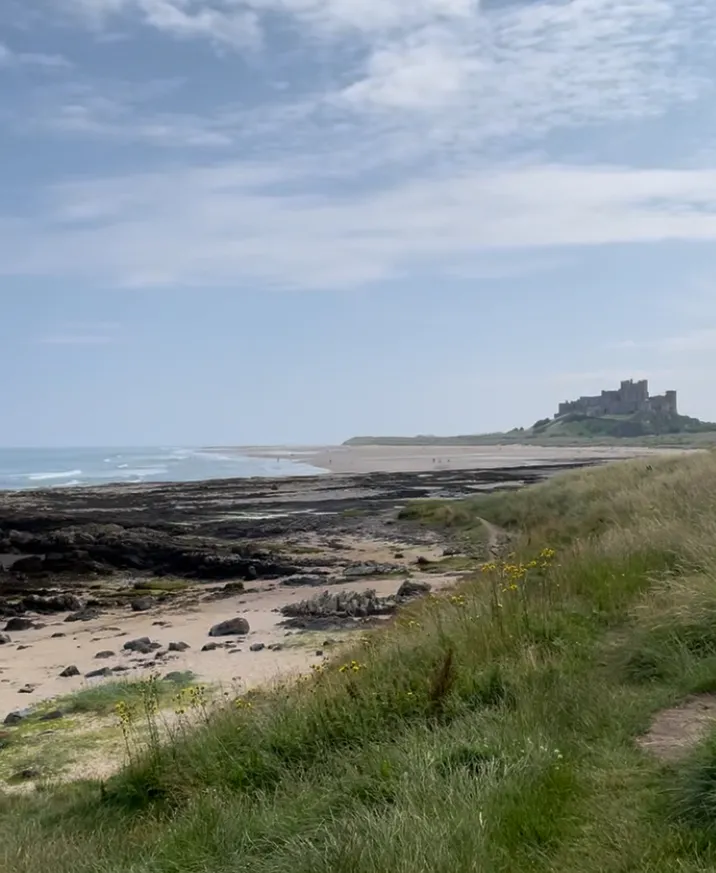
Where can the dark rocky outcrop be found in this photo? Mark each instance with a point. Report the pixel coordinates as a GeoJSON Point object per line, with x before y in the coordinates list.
{"type": "Point", "coordinates": [72, 670]}
{"type": "Point", "coordinates": [342, 604]}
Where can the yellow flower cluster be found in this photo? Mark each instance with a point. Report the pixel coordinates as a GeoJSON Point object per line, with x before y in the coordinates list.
{"type": "Point", "coordinates": [353, 667]}
{"type": "Point", "coordinates": [457, 599]}
{"type": "Point", "coordinates": [242, 703]}
{"type": "Point", "coordinates": [513, 574]}
{"type": "Point", "coordinates": [123, 713]}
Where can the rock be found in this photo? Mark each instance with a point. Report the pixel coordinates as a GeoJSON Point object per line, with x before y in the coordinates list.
{"type": "Point", "coordinates": [120, 668]}
{"type": "Point", "coordinates": [28, 564]}
{"type": "Point", "coordinates": [342, 604]}
{"type": "Point", "coordinates": [142, 604]}
{"type": "Point", "coordinates": [72, 670]}
{"type": "Point", "coordinates": [20, 648]}
{"type": "Point", "coordinates": [54, 603]}
{"type": "Point", "coordinates": [451, 552]}
{"type": "Point", "coordinates": [422, 561]}
{"type": "Point", "coordinates": [19, 624]}
{"type": "Point", "coordinates": [14, 718]}
{"type": "Point", "coordinates": [86, 614]}
{"type": "Point", "coordinates": [26, 689]}
{"type": "Point", "coordinates": [312, 580]}
{"type": "Point", "coordinates": [4, 639]}
{"type": "Point", "coordinates": [103, 671]}
{"type": "Point", "coordinates": [256, 647]}
{"type": "Point", "coordinates": [209, 647]}
{"type": "Point", "coordinates": [143, 645]}
{"type": "Point", "coordinates": [319, 653]}
{"type": "Point", "coordinates": [369, 568]}
{"type": "Point", "coordinates": [275, 647]}
{"type": "Point", "coordinates": [57, 635]}
{"type": "Point", "coordinates": [410, 588]}
{"type": "Point", "coordinates": [399, 555]}
{"type": "Point", "coordinates": [53, 715]}
{"type": "Point", "coordinates": [106, 653]}
{"type": "Point", "coordinates": [178, 647]}
{"type": "Point", "coordinates": [177, 676]}
{"type": "Point", "coordinates": [24, 775]}
{"type": "Point", "coordinates": [231, 626]}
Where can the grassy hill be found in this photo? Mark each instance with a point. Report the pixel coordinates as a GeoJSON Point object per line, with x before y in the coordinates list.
{"type": "Point", "coordinates": [575, 428]}
{"type": "Point", "coordinates": [546, 716]}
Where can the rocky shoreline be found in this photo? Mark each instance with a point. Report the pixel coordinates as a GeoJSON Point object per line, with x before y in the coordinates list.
{"type": "Point", "coordinates": [190, 576]}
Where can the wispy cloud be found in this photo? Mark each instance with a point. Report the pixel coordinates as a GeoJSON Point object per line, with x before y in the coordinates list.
{"type": "Point", "coordinates": [222, 22]}
{"type": "Point", "coordinates": [225, 223]}
{"type": "Point", "coordinates": [380, 160]}
{"type": "Point", "coordinates": [10, 58]}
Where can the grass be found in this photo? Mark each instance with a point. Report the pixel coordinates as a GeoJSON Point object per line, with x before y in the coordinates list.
{"type": "Point", "coordinates": [490, 729]}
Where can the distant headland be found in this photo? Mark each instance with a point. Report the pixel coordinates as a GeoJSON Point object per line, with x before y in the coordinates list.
{"type": "Point", "coordinates": [628, 413]}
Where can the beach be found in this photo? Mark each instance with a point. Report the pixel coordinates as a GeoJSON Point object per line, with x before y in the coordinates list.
{"type": "Point", "coordinates": [356, 460]}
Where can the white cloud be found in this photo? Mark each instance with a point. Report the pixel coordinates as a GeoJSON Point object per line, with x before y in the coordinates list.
{"type": "Point", "coordinates": [10, 58]}
{"type": "Point", "coordinates": [221, 23]}
{"type": "Point", "coordinates": [226, 223]}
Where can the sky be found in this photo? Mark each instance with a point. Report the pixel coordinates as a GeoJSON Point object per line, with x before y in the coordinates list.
{"type": "Point", "coordinates": [294, 221]}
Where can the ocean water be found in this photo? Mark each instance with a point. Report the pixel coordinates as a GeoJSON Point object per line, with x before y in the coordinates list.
{"type": "Point", "coordinates": [62, 468]}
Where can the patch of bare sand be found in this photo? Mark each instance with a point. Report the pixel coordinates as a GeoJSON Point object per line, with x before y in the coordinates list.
{"type": "Point", "coordinates": [358, 460]}
{"type": "Point", "coordinates": [676, 730]}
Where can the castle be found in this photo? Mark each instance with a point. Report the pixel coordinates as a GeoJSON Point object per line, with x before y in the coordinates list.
{"type": "Point", "coordinates": [629, 398]}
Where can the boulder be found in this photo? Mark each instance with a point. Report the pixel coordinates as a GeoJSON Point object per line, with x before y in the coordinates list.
{"type": "Point", "coordinates": [257, 647]}
{"type": "Point", "coordinates": [18, 624]}
{"type": "Point", "coordinates": [236, 625]}
{"type": "Point", "coordinates": [103, 671]}
{"type": "Point", "coordinates": [143, 645]}
{"type": "Point", "coordinates": [106, 653]}
{"type": "Point", "coordinates": [14, 718]}
{"type": "Point", "coordinates": [142, 604]}
{"type": "Point", "coordinates": [410, 588]}
{"type": "Point", "coordinates": [178, 646]}
{"type": "Point", "coordinates": [53, 715]}
{"type": "Point", "coordinates": [29, 564]}
{"type": "Point", "coordinates": [4, 639]}
{"type": "Point", "coordinates": [72, 670]}
{"type": "Point", "coordinates": [86, 614]}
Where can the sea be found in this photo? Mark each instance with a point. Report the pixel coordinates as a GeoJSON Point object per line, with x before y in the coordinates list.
{"type": "Point", "coordinates": [22, 469]}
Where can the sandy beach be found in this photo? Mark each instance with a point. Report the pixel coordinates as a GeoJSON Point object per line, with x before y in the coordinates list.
{"type": "Point", "coordinates": [356, 460]}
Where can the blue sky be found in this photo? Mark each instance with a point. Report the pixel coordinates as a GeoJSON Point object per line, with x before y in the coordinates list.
{"type": "Point", "coordinates": [262, 221]}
